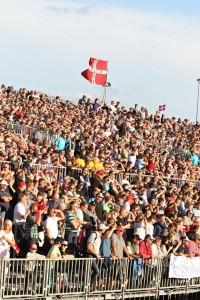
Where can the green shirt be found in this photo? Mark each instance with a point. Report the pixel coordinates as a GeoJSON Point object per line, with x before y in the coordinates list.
{"type": "Point", "coordinates": [106, 207]}
{"type": "Point", "coordinates": [134, 248]}
{"type": "Point", "coordinates": [55, 251]}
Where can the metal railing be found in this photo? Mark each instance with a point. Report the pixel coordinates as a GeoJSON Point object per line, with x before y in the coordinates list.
{"type": "Point", "coordinates": [37, 133]}
{"type": "Point", "coordinates": [46, 134]}
{"type": "Point", "coordinates": [51, 172]}
{"type": "Point", "coordinates": [22, 278]}
{"type": "Point", "coordinates": [178, 181]}
{"type": "Point", "coordinates": [54, 172]}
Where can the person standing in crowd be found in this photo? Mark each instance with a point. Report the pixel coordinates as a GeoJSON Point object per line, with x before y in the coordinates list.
{"type": "Point", "coordinates": [7, 240]}
{"type": "Point", "coordinates": [31, 277]}
{"type": "Point", "coordinates": [63, 250]}
{"type": "Point", "coordinates": [93, 251]}
{"type": "Point", "coordinates": [55, 254]}
{"type": "Point", "coordinates": [62, 143]}
{"type": "Point", "coordinates": [118, 249]}
{"type": "Point", "coordinates": [145, 248]}
{"type": "Point", "coordinates": [33, 220]}
{"type": "Point", "coordinates": [118, 244]}
{"type": "Point", "coordinates": [159, 226]}
{"type": "Point", "coordinates": [85, 179]}
{"type": "Point", "coordinates": [19, 218]}
{"type": "Point", "coordinates": [51, 227]}
{"type": "Point", "coordinates": [133, 249]}
{"type": "Point", "coordinates": [5, 199]}
{"type": "Point", "coordinates": [156, 248]}
{"type": "Point", "coordinates": [72, 224]}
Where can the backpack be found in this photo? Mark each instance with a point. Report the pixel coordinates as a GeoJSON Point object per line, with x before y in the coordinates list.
{"type": "Point", "coordinates": [82, 241]}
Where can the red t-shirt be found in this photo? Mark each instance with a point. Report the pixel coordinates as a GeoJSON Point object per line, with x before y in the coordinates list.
{"type": "Point", "coordinates": [40, 206]}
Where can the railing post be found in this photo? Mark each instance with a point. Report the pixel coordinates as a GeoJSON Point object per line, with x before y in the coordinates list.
{"type": "Point", "coordinates": [1, 278]}
{"type": "Point", "coordinates": [87, 273]}
{"type": "Point", "coordinates": [158, 277]}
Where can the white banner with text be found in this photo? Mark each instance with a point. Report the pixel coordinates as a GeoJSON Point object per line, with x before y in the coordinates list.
{"type": "Point", "coordinates": [184, 267]}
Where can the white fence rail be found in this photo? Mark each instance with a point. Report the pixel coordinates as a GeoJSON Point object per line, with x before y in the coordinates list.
{"type": "Point", "coordinates": [22, 278]}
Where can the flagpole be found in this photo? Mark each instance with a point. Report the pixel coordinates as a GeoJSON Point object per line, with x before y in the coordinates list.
{"type": "Point", "coordinates": [104, 94]}
{"type": "Point", "coordinates": [197, 112]}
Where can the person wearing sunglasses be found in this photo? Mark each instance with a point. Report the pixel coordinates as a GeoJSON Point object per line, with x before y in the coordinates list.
{"type": "Point", "coordinates": [64, 250]}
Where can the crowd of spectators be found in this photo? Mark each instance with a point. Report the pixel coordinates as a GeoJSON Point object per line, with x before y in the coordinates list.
{"type": "Point", "coordinates": [95, 214]}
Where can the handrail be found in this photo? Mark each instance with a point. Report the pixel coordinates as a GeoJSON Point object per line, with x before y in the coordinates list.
{"type": "Point", "coordinates": [32, 131]}
{"type": "Point", "coordinates": [22, 278]}
{"type": "Point", "coordinates": [61, 171]}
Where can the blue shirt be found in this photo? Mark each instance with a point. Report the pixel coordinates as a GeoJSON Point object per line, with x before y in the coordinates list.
{"type": "Point", "coordinates": [61, 143]}
{"type": "Point", "coordinates": [195, 159]}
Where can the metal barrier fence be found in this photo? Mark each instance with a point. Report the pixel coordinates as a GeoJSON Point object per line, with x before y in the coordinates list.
{"type": "Point", "coordinates": [51, 172]}
{"type": "Point", "coordinates": [55, 172]}
{"type": "Point", "coordinates": [37, 133]}
{"type": "Point", "coordinates": [45, 134]}
{"type": "Point", "coordinates": [120, 279]}
{"type": "Point", "coordinates": [178, 181]}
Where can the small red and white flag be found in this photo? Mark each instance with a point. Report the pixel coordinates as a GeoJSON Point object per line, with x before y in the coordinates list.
{"type": "Point", "coordinates": [162, 107]}
{"type": "Point", "coordinates": [16, 248]}
{"type": "Point", "coordinates": [97, 72]}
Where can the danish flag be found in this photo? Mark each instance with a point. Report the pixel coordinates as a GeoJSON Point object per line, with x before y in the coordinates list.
{"type": "Point", "coordinates": [97, 72]}
{"type": "Point", "coordinates": [162, 107]}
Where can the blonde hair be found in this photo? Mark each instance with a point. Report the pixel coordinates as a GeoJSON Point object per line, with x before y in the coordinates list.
{"type": "Point", "coordinates": [8, 222]}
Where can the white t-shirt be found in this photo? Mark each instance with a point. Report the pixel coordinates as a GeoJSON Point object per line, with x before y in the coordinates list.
{"type": "Point", "coordinates": [126, 206]}
{"type": "Point", "coordinates": [7, 235]}
{"type": "Point", "coordinates": [125, 181]}
{"type": "Point", "coordinates": [19, 211]}
{"type": "Point", "coordinates": [149, 229]}
{"type": "Point", "coordinates": [156, 250]}
{"type": "Point", "coordinates": [139, 229]}
{"type": "Point", "coordinates": [95, 239]}
{"type": "Point", "coordinates": [4, 245]}
{"type": "Point", "coordinates": [79, 214]}
{"type": "Point", "coordinates": [52, 224]}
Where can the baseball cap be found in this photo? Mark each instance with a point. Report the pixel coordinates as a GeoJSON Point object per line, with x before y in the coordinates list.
{"type": "Point", "coordinates": [136, 237]}
{"type": "Point", "coordinates": [3, 182]}
{"type": "Point", "coordinates": [100, 195]}
{"type": "Point", "coordinates": [129, 197]}
{"type": "Point", "coordinates": [100, 172]}
{"type": "Point", "coordinates": [21, 184]}
{"type": "Point", "coordinates": [102, 226]}
{"type": "Point", "coordinates": [65, 243]}
{"type": "Point", "coordinates": [119, 228]}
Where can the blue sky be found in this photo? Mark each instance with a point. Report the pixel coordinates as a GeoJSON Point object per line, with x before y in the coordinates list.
{"type": "Point", "coordinates": [152, 47]}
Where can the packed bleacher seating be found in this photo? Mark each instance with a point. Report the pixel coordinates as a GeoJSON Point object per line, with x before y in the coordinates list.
{"type": "Point", "coordinates": [96, 180]}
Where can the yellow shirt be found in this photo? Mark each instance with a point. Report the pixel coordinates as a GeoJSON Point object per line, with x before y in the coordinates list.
{"type": "Point", "coordinates": [99, 166]}
{"type": "Point", "coordinates": [79, 162]}
{"type": "Point", "coordinates": [91, 164]}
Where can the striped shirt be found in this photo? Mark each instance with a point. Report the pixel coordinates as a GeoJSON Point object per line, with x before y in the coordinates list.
{"type": "Point", "coordinates": [119, 242]}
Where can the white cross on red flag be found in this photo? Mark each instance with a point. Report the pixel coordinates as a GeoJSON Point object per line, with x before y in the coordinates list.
{"type": "Point", "coordinates": [162, 107]}
{"type": "Point", "coordinates": [97, 72]}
